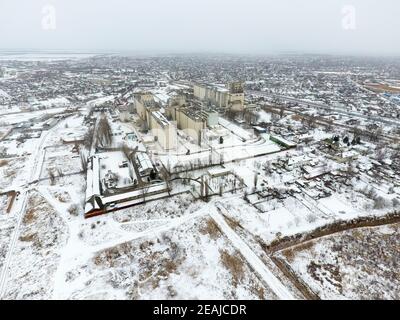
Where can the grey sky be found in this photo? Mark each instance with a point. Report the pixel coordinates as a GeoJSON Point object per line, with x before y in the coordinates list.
{"type": "Point", "coordinates": [237, 26]}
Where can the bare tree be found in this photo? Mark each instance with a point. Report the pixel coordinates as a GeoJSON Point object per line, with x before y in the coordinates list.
{"type": "Point", "coordinates": [329, 125]}
{"type": "Point", "coordinates": [74, 209]}
{"type": "Point", "coordinates": [380, 203]}
{"type": "Point", "coordinates": [167, 180]}
{"type": "Point", "coordinates": [129, 152]}
{"type": "Point", "coordinates": [281, 112]}
{"type": "Point", "coordinates": [274, 118]}
{"type": "Point", "coordinates": [84, 161]}
{"type": "Point", "coordinates": [104, 132]}
{"type": "Point", "coordinates": [144, 191]}
{"type": "Point", "coordinates": [59, 172]}
{"type": "Point", "coordinates": [251, 117]}
{"type": "Point", "coordinates": [381, 154]}
{"type": "Point", "coordinates": [52, 176]}
{"type": "Point", "coordinates": [231, 114]}
{"type": "Point", "coordinates": [206, 186]}
{"type": "Point", "coordinates": [349, 171]}
{"type": "Point", "coordinates": [255, 180]}
{"type": "Point", "coordinates": [310, 121]}
{"type": "Point", "coordinates": [88, 138]}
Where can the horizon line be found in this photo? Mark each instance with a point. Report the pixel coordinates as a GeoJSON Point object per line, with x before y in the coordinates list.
{"type": "Point", "coordinates": [194, 53]}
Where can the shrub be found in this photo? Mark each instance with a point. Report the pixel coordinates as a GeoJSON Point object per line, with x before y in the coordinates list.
{"type": "Point", "coordinates": [73, 210]}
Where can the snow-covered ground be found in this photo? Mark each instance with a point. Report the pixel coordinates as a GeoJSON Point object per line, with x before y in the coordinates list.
{"type": "Point", "coordinates": [235, 223]}
{"type": "Point", "coordinates": [140, 253]}
{"type": "Point", "coordinates": [178, 247]}
{"type": "Point", "coordinates": [354, 264]}
{"type": "Point", "coordinates": [13, 119]}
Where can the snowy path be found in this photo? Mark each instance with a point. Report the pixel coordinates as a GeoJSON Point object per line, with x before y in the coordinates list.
{"type": "Point", "coordinates": [151, 232]}
{"type": "Point", "coordinates": [34, 172]}
{"type": "Point", "coordinates": [68, 254]}
{"type": "Point", "coordinates": [70, 260]}
{"type": "Point", "coordinates": [37, 158]}
{"type": "Point", "coordinates": [128, 223]}
{"type": "Point", "coordinates": [13, 240]}
{"type": "Point", "coordinates": [255, 262]}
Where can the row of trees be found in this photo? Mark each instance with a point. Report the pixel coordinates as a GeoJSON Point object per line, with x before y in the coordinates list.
{"type": "Point", "coordinates": [250, 116]}
{"type": "Point", "coordinates": [103, 132]}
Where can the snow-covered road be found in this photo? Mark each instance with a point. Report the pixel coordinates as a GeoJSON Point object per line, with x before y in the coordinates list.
{"type": "Point", "coordinates": [255, 262]}
{"type": "Point", "coordinates": [37, 159]}
{"type": "Point", "coordinates": [151, 232]}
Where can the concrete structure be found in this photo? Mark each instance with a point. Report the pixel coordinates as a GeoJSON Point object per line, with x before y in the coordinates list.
{"type": "Point", "coordinates": [145, 104]}
{"type": "Point", "coordinates": [211, 116]}
{"type": "Point", "coordinates": [163, 131]}
{"type": "Point", "coordinates": [177, 101]}
{"type": "Point", "coordinates": [190, 122]}
{"type": "Point", "coordinates": [191, 116]}
{"type": "Point", "coordinates": [193, 120]}
{"type": "Point", "coordinates": [221, 97]}
{"type": "Point", "coordinates": [236, 96]}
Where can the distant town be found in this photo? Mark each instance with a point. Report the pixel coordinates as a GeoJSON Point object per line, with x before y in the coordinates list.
{"type": "Point", "coordinates": [199, 177]}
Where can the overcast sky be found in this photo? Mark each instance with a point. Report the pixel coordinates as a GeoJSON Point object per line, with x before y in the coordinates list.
{"type": "Point", "coordinates": [226, 26]}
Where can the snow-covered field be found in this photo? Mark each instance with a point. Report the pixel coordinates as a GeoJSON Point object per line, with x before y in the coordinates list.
{"type": "Point", "coordinates": [36, 254]}
{"type": "Point", "coordinates": [12, 173]}
{"type": "Point", "coordinates": [141, 253]}
{"type": "Point", "coordinates": [6, 227]}
{"type": "Point", "coordinates": [61, 161]}
{"type": "Point", "coordinates": [193, 261]}
{"type": "Point", "coordinates": [355, 264]}
{"type": "Point", "coordinates": [13, 119]}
